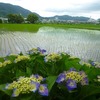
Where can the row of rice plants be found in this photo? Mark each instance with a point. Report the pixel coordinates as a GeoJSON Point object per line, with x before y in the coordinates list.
{"type": "Point", "coordinates": [81, 43]}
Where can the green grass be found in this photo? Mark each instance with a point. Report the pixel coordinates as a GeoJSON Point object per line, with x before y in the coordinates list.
{"type": "Point", "coordinates": [35, 27]}
{"type": "Point", "coordinates": [20, 27]}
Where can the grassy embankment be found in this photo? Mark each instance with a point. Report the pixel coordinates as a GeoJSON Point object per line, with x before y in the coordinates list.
{"type": "Point", "coordinates": [35, 27]}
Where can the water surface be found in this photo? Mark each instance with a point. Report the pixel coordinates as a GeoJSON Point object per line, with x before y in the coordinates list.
{"type": "Point", "coordinates": [81, 43]}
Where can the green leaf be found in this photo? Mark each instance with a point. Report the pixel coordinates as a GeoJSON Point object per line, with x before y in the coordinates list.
{"type": "Point", "coordinates": [87, 91]}
{"type": "Point", "coordinates": [50, 81]}
{"type": "Point", "coordinates": [1, 59]}
{"type": "Point", "coordinates": [19, 73]}
{"type": "Point", "coordinates": [2, 88]}
{"type": "Point", "coordinates": [28, 71]}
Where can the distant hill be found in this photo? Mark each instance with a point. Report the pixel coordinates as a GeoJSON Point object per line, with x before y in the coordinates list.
{"type": "Point", "coordinates": [67, 17]}
{"type": "Point", "coordinates": [6, 9]}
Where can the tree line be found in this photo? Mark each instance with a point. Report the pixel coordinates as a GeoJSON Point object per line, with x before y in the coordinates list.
{"type": "Point", "coordinates": [18, 18]}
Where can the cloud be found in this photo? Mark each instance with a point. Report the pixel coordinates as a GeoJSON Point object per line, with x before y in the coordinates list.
{"type": "Point", "coordinates": [60, 7]}
{"type": "Point", "coordinates": [77, 9]}
{"type": "Point", "coordinates": [93, 7]}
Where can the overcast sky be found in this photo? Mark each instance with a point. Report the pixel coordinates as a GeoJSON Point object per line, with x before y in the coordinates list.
{"type": "Point", "coordinates": [88, 8]}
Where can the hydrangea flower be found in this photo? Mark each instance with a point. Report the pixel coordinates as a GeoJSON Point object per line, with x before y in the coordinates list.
{"type": "Point", "coordinates": [71, 84]}
{"type": "Point", "coordinates": [21, 57]}
{"type": "Point", "coordinates": [13, 55]}
{"type": "Point", "coordinates": [36, 51]}
{"type": "Point", "coordinates": [0, 64]}
{"type": "Point", "coordinates": [61, 78]}
{"type": "Point", "coordinates": [43, 90]}
{"type": "Point", "coordinates": [72, 57]}
{"type": "Point", "coordinates": [98, 78]}
{"type": "Point", "coordinates": [6, 62]}
{"type": "Point", "coordinates": [25, 85]}
{"type": "Point", "coordinates": [41, 50]}
{"type": "Point", "coordinates": [52, 57]}
{"type": "Point", "coordinates": [72, 78]}
{"type": "Point", "coordinates": [95, 64]}
{"type": "Point", "coordinates": [87, 64]}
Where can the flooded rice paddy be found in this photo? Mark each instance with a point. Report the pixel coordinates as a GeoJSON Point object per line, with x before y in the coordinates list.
{"type": "Point", "coordinates": [81, 43]}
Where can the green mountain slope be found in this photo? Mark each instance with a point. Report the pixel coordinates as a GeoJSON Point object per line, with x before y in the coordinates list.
{"type": "Point", "coordinates": [6, 9]}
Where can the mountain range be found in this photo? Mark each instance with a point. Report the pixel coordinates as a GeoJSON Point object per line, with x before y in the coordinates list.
{"type": "Point", "coordinates": [6, 9]}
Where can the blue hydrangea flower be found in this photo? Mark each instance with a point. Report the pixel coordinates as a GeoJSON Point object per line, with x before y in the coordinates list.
{"type": "Point", "coordinates": [72, 77]}
{"type": "Point", "coordinates": [92, 63]}
{"type": "Point", "coordinates": [84, 81]}
{"type": "Point", "coordinates": [72, 69]}
{"type": "Point", "coordinates": [7, 85]}
{"type": "Point", "coordinates": [35, 85]}
{"type": "Point", "coordinates": [61, 78]}
{"type": "Point", "coordinates": [41, 50]}
{"type": "Point", "coordinates": [43, 90]}
{"type": "Point", "coordinates": [16, 92]}
{"type": "Point", "coordinates": [30, 52]}
{"type": "Point", "coordinates": [71, 84]}
{"type": "Point", "coordinates": [39, 77]}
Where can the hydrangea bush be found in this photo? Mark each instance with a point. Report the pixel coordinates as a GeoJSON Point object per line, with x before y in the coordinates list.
{"type": "Point", "coordinates": [25, 85]}
{"type": "Point", "coordinates": [37, 75]}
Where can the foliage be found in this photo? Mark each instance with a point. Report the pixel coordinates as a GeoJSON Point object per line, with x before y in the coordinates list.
{"type": "Point", "coordinates": [6, 8]}
{"type": "Point", "coordinates": [41, 76]}
{"type": "Point", "coordinates": [0, 20]}
{"type": "Point", "coordinates": [32, 18]}
{"type": "Point", "coordinates": [14, 18]}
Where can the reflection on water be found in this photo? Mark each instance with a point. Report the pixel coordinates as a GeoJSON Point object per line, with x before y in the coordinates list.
{"type": "Point", "coordinates": [82, 43]}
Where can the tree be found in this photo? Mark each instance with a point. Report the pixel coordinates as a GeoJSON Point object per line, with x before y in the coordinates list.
{"type": "Point", "coordinates": [19, 19]}
{"type": "Point", "coordinates": [32, 18]}
{"type": "Point", "coordinates": [14, 18]}
{"type": "Point", "coordinates": [11, 18]}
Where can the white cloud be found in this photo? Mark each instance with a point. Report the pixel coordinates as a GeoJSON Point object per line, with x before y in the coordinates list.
{"type": "Point", "coordinates": [60, 7]}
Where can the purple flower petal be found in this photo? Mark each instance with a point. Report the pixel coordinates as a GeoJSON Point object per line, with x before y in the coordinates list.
{"type": "Point", "coordinates": [43, 90]}
{"type": "Point", "coordinates": [85, 81]}
{"type": "Point", "coordinates": [40, 77]}
{"type": "Point", "coordinates": [92, 63]}
{"type": "Point", "coordinates": [61, 78]}
{"type": "Point", "coordinates": [16, 93]}
{"type": "Point", "coordinates": [83, 74]}
{"type": "Point", "coordinates": [35, 86]}
{"type": "Point", "coordinates": [72, 69]}
{"type": "Point", "coordinates": [7, 85]}
{"type": "Point", "coordinates": [43, 51]}
{"type": "Point", "coordinates": [71, 84]}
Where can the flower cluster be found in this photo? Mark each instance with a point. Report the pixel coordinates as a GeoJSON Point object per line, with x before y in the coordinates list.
{"type": "Point", "coordinates": [28, 84]}
{"type": "Point", "coordinates": [52, 57]}
{"type": "Point", "coordinates": [36, 51]}
{"type": "Point", "coordinates": [98, 78]}
{"type": "Point", "coordinates": [85, 63]}
{"type": "Point", "coordinates": [96, 64]}
{"type": "Point", "coordinates": [72, 57]}
{"type": "Point", "coordinates": [21, 57]}
{"type": "Point", "coordinates": [72, 78]}
{"type": "Point", "coordinates": [13, 55]}
{"type": "Point", "coordinates": [6, 62]}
